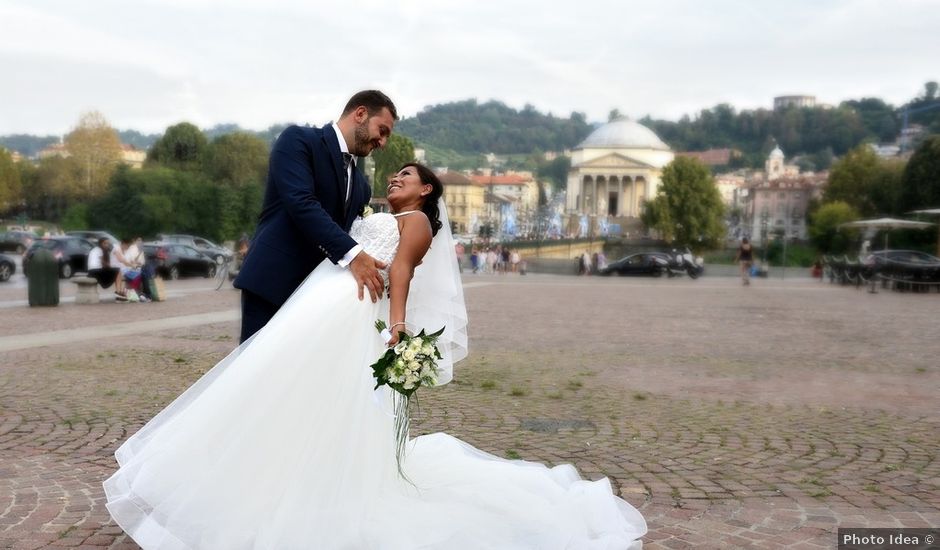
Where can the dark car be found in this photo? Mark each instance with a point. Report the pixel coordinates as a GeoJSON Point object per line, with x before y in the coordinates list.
{"type": "Point", "coordinates": [904, 264]}
{"type": "Point", "coordinates": [910, 257]}
{"type": "Point", "coordinates": [643, 263]}
{"type": "Point", "coordinates": [218, 253]}
{"type": "Point", "coordinates": [93, 236]}
{"type": "Point", "coordinates": [173, 261]}
{"type": "Point", "coordinates": [7, 268]}
{"type": "Point", "coordinates": [16, 241]}
{"type": "Point", "coordinates": [71, 252]}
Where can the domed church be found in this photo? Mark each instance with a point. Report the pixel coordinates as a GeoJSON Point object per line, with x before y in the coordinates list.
{"type": "Point", "coordinates": [614, 171]}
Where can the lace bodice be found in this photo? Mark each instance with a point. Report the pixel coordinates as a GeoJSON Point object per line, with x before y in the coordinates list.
{"type": "Point", "coordinates": [378, 235]}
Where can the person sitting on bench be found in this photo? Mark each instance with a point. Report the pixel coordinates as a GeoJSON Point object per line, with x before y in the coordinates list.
{"type": "Point", "coordinates": [99, 268]}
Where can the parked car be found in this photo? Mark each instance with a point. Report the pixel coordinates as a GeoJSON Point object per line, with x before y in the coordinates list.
{"type": "Point", "coordinates": [16, 241]}
{"type": "Point", "coordinates": [642, 263]}
{"type": "Point", "coordinates": [93, 236]}
{"type": "Point", "coordinates": [173, 261]}
{"type": "Point", "coordinates": [7, 268]}
{"type": "Point", "coordinates": [218, 253]}
{"type": "Point", "coordinates": [71, 252]}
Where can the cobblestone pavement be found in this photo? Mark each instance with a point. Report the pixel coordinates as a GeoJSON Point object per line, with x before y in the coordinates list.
{"type": "Point", "coordinates": [761, 417]}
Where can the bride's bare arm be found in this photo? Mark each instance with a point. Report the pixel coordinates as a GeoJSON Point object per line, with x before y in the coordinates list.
{"type": "Point", "coordinates": [412, 246]}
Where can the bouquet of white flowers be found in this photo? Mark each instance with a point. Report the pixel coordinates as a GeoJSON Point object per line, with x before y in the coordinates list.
{"type": "Point", "coordinates": [407, 366]}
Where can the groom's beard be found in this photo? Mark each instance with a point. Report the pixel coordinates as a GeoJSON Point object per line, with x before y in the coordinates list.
{"type": "Point", "coordinates": [362, 145]}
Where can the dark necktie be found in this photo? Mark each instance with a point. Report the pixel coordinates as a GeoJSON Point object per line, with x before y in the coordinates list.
{"type": "Point", "coordinates": [347, 160]}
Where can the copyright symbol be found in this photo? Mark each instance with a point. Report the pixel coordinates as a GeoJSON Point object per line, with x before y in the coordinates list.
{"type": "Point", "coordinates": [928, 539]}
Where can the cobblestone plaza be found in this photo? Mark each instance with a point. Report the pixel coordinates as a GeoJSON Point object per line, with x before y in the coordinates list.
{"type": "Point", "coordinates": [732, 417]}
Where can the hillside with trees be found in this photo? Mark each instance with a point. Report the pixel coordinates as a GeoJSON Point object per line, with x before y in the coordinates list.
{"type": "Point", "coordinates": [493, 127]}
{"type": "Point", "coordinates": [457, 133]}
{"type": "Point", "coordinates": [818, 134]}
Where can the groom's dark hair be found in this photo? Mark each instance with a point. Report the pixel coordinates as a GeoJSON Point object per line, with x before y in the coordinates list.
{"type": "Point", "coordinates": [373, 101]}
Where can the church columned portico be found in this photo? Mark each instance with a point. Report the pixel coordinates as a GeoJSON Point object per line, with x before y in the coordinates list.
{"type": "Point", "coordinates": [613, 173]}
{"type": "Point", "coordinates": [616, 195]}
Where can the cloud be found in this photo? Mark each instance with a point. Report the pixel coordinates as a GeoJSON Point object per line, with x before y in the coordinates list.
{"type": "Point", "coordinates": [152, 63]}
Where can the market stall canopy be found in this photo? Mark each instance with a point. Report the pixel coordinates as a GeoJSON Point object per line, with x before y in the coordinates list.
{"type": "Point", "coordinates": [886, 223]}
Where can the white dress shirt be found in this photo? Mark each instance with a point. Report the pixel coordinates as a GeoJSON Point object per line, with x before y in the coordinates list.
{"type": "Point", "coordinates": [354, 251]}
{"type": "Point", "coordinates": [94, 258]}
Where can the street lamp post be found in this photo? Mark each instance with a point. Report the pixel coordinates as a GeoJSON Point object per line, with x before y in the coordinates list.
{"type": "Point", "coordinates": [764, 215]}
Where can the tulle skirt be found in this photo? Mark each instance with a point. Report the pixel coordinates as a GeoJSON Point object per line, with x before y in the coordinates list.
{"type": "Point", "coordinates": [284, 445]}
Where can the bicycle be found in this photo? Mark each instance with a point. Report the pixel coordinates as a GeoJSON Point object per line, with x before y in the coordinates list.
{"type": "Point", "coordinates": [221, 273]}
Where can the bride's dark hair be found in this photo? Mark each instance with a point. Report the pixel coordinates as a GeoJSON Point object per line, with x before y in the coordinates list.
{"type": "Point", "coordinates": [430, 209]}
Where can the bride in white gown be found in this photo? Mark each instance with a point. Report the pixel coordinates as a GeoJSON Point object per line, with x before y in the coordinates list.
{"type": "Point", "coordinates": [284, 445]}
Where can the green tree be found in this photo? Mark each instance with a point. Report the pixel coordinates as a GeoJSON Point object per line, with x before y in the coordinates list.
{"type": "Point", "coordinates": [687, 209]}
{"type": "Point", "coordinates": [10, 186]}
{"type": "Point", "coordinates": [237, 159]}
{"type": "Point", "coordinates": [822, 160]}
{"type": "Point", "coordinates": [879, 118]}
{"type": "Point", "coordinates": [75, 217]}
{"type": "Point", "coordinates": [920, 183]}
{"type": "Point", "coordinates": [162, 200]}
{"type": "Point", "coordinates": [930, 90]}
{"type": "Point", "coordinates": [50, 187]}
{"type": "Point", "coordinates": [556, 171]}
{"type": "Point", "coordinates": [869, 184]}
{"type": "Point", "coordinates": [182, 147]}
{"type": "Point", "coordinates": [157, 200]}
{"type": "Point", "coordinates": [397, 151]}
{"type": "Point", "coordinates": [96, 149]}
{"type": "Point", "coordinates": [824, 228]}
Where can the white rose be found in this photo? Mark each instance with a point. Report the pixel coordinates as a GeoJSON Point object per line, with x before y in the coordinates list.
{"type": "Point", "coordinates": [428, 349]}
{"type": "Point", "coordinates": [400, 347]}
{"type": "Point", "coordinates": [415, 345]}
{"type": "Point", "coordinates": [408, 355]}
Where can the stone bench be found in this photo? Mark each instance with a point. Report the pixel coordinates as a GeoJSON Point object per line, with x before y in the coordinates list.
{"type": "Point", "coordinates": [87, 290]}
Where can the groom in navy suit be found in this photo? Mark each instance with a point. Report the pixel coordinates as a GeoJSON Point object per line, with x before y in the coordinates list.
{"type": "Point", "coordinates": [313, 194]}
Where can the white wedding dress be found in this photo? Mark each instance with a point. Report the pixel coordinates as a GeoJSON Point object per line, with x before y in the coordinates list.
{"type": "Point", "coordinates": [284, 445]}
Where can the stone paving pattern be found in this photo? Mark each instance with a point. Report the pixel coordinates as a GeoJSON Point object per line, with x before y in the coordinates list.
{"type": "Point", "coordinates": [761, 417]}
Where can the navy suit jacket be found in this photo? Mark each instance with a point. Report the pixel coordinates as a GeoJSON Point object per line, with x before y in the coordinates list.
{"type": "Point", "coordinates": [304, 218]}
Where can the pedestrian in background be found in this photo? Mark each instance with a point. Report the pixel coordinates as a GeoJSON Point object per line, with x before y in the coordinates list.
{"type": "Point", "coordinates": [514, 259]}
{"type": "Point", "coordinates": [745, 257]}
{"type": "Point", "coordinates": [459, 249]}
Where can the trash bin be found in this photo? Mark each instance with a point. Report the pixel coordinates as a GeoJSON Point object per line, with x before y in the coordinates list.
{"type": "Point", "coordinates": [43, 279]}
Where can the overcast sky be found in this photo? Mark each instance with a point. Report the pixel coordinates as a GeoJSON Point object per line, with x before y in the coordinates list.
{"type": "Point", "coordinates": [147, 64]}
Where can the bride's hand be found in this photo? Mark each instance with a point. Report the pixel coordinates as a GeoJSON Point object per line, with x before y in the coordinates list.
{"type": "Point", "coordinates": [394, 330]}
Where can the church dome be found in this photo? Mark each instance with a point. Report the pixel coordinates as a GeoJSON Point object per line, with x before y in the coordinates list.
{"type": "Point", "coordinates": [777, 152]}
{"type": "Point", "coordinates": [623, 134]}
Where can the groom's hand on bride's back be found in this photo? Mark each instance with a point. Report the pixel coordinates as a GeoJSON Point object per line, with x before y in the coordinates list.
{"type": "Point", "coordinates": [365, 269]}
